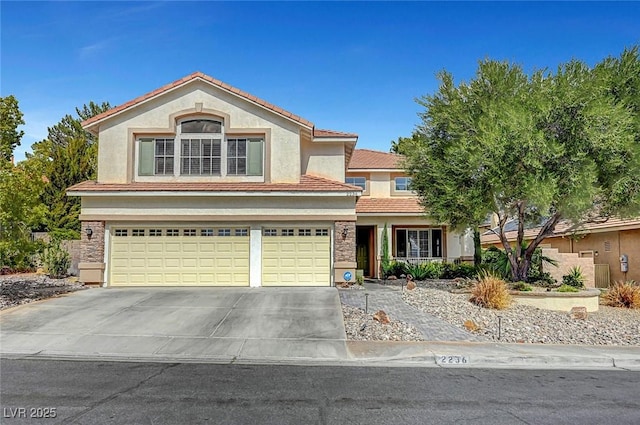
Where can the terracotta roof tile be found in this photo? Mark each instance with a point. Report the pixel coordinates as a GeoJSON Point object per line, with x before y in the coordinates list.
{"type": "Point", "coordinates": [332, 133]}
{"type": "Point", "coordinates": [564, 228]}
{"type": "Point", "coordinates": [370, 159]}
{"type": "Point", "coordinates": [307, 184]}
{"type": "Point", "coordinates": [188, 78]}
{"type": "Point", "coordinates": [388, 205]}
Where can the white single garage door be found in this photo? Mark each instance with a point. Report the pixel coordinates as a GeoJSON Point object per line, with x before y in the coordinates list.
{"type": "Point", "coordinates": [296, 256]}
{"type": "Point", "coordinates": [208, 256]}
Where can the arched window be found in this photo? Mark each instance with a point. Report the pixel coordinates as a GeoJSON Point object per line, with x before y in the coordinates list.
{"type": "Point", "coordinates": [200, 147]}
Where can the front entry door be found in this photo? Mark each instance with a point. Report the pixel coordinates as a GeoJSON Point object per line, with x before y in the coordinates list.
{"type": "Point", "coordinates": [363, 249]}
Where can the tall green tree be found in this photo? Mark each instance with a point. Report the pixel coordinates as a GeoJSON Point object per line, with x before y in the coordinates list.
{"type": "Point", "coordinates": [66, 157]}
{"type": "Point", "coordinates": [10, 120]}
{"type": "Point", "coordinates": [20, 212]}
{"type": "Point", "coordinates": [535, 148]}
{"type": "Point", "coordinates": [403, 145]}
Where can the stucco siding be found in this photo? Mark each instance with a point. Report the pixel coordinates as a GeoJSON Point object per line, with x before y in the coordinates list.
{"type": "Point", "coordinates": [219, 208]}
{"type": "Point", "coordinates": [379, 185]}
{"type": "Point", "coordinates": [323, 159]}
{"type": "Point", "coordinates": [117, 137]}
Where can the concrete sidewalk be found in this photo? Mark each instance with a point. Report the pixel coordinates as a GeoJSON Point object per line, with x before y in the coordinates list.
{"type": "Point", "coordinates": [494, 355]}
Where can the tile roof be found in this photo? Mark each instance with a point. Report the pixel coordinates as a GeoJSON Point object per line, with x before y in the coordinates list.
{"type": "Point", "coordinates": [564, 228]}
{"type": "Point", "coordinates": [370, 159]}
{"type": "Point", "coordinates": [204, 77]}
{"type": "Point", "coordinates": [332, 133]}
{"type": "Point", "coordinates": [307, 184]}
{"type": "Point", "coordinates": [388, 205]}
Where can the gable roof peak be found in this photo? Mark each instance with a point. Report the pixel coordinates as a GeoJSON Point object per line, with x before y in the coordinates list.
{"type": "Point", "coordinates": [197, 75]}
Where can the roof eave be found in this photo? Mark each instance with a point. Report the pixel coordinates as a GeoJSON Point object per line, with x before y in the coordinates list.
{"type": "Point", "coordinates": [194, 193]}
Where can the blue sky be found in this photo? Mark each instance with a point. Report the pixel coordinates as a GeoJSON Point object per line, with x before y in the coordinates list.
{"type": "Point", "coordinates": [349, 66]}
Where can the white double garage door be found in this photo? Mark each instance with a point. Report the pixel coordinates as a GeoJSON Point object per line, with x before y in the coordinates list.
{"type": "Point", "coordinates": [219, 256]}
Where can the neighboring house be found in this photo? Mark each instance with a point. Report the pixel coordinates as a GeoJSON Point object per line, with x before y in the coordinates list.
{"type": "Point", "coordinates": [200, 183]}
{"type": "Point", "coordinates": [387, 199]}
{"type": "Point", "coordinates": [604, 242]}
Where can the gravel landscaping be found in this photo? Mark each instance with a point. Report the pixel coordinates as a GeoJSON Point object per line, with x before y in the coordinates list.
{"type": "Point", "coordinates": [361, 326]}
{"type": "Point", "coordinates": [608, 326]}
{"type": "Point", "coordinates": [25, 288]}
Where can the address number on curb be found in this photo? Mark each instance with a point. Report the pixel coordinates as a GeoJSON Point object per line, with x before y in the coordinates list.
{"type": "Point", "coordinates": [452, 360]}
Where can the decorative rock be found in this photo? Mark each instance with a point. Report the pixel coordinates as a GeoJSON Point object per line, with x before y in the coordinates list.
{"type": "Point", "coordinates": [381, 317]}
{"type": "Point", "coordinates": [525, 324]}
{"type": "Point", "coordinates": [411, 286]}
{"type": "Point", "coordinates": [471, 326]}
{"type": "Point", "coordinates": [361, 326]}
{"type": "Point", "coordinates": [579, 313]}
{"type": "Point", "coordinates": [392, 277]}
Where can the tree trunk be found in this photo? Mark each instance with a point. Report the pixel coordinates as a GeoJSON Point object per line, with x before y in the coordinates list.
{"type": "Point", "coordinates": [477, 247]}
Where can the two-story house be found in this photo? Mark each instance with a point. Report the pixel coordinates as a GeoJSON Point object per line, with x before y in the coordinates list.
{"type": "Point", "coordinates": [387, 201]}
{"type": "Point", "coordinates": [200, 183]}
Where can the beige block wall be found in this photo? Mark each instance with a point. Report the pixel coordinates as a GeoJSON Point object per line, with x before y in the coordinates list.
{"type": "Point", "coordinates": [609, 246]}
{"type": "Point", "coordinates": [116, 152]}
{"type": "Point", "coordinates": [566, 261]}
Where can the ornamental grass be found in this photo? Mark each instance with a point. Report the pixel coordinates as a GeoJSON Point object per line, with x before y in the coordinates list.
{"type": "Point", "coordinates": [623, 294]}
{"type": "Point", "coordinates": [491, 292]}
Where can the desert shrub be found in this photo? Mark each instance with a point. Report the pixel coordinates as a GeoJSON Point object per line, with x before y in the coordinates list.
{"type": "Point", "coordinates": [462, 270]}
{"type": "Point", "coordinates": [521, 286]}
{"type": "Point", "coordinates": [574, 278]}
{"type": "Point", "coordinates": [394, 268]}
{"type": "Point", "coordinates": [568, 288]}
{"type": "Point", "coordinates": [623, 294]}
{"type": "Point", "coordinates": [496, 260]}
{"type": "Point", "coordinates": [430, 270]}
{"type": "Point", "coordinates": [56, 260]}
{"type": "Point", "coordinates": [491, 292]}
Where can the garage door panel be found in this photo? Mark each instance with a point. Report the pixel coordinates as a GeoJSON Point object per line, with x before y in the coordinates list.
{"type": "Point", "coordinates": [167, 259]}
{"type": "Point", "coordinates": [296, 260]}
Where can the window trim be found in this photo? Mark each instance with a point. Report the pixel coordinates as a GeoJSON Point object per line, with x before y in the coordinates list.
{"type": "Point", "coordinates": [407, 184]}
{"type": "Point", "coordinates": [367, 182]}
{"type": "Point", "coordinates": [255, 139]}
{"type": "Point", "coordinates": [430, 229]}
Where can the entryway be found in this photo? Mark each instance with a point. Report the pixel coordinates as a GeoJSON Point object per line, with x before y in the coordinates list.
{"type": "Point", "coordinates": [365, 249]}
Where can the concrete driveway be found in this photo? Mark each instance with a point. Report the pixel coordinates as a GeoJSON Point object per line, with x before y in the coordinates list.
{"type": "Point", "coordinates": [217, 324]}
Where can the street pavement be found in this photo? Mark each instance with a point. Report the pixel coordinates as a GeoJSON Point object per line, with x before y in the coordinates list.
{"type": "Point", "coordinates": [95, 393]}
{"type": "Point", "coordinates": [259, 325]}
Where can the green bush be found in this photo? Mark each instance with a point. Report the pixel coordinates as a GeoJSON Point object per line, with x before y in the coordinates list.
{"type": "Point", "coordinates": [19, 255]}
{"type": "Point", "coordinates": [422, 271]}
{"type": "Point", "coordinates": [394, 268]}
{"type": "Point", "coordinates": [462, 270]}
{"type": "Point", "coordinates": [496, 260]}
{"type": "Point", "coordinates": [521, 286]}
{"type": "Point", "coordinates": [56, 260]}
{"type": "Point", "coordinates": [574, 278]}
{"type": "Point", "coordinates": [568, 288]}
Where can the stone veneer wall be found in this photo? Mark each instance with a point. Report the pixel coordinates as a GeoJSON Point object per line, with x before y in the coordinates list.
{"type": "Point", "coordinates": [92, 249]}
{"type": "Point", "coordinates": [345, 248]}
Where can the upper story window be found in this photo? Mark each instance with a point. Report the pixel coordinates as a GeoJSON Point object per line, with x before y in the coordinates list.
{"type": "Point", "coordinates": [202, 150]}
{"type": "Point", "coordinates": [357, 181]}
{"type": "Point", "coordinates": [201, 126]}
{"type": "Point", "coordinates": [403, 183]}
